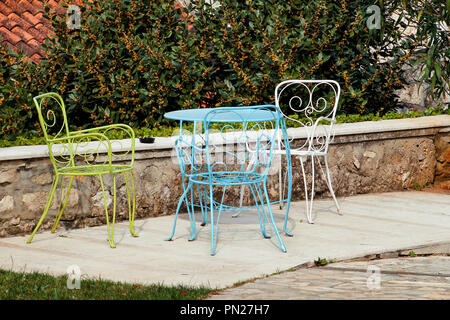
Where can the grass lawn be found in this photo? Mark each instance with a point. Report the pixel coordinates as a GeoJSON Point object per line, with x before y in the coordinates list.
{"type": "Point", "coordinates": [38, 286]}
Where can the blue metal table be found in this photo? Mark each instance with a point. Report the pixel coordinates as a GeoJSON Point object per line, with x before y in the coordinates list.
{"type": "Point", "coordinates": [197, 116]}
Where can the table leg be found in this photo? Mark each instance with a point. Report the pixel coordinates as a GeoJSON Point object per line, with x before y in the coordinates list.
{"type": "Point", "coordinates": [289, 168]}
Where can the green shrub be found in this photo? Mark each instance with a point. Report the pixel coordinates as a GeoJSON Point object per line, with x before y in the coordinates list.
{"type": "Point", "coordinates": [431, 35]}
{"type": "Point", "coordinates": [256, 44]}
{"type": "Point", "coordinates": [17, 75]}
{"type": "Point", "coordinates": [134, 60]}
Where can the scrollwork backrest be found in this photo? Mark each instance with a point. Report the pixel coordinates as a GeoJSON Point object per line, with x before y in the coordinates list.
{"type": "Point", "coordinates": [52, 115]}
{"type": "Point", "coordinates": [314, 103]}
{"type": "Point", "coordinates": [53, 120]}
{"type": "Point", "coordinates": [241, 138]}
{"type": "Point", "coordinates": [190, 152]}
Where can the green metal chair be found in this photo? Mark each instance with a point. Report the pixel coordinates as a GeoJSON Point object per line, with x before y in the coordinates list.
{"type": "Point", "coordinates": [84, 153]}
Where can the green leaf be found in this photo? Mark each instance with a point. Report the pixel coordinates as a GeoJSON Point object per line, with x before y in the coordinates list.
{"type": "Point", "coordinates": [437, 68]}
{"type": "Point", "coordinates": [229, 84]}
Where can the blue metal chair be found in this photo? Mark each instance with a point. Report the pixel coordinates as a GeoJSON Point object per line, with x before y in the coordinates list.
{"type": "Point", "coordinates": [233, 136]}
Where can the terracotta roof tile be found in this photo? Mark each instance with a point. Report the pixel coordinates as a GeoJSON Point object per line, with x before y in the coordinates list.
{"type": "Point", "coordinates": [5, 9]}
{"type": "Point", "coordinates": [9, 37]}
{"type": "Point", "coordinates": [40, 26]}
{"type": "Point", "coordinates": [3, 19]}
{"type": "Point", "coordinates": [34, 43]}
{"type": "Point", "coordinates": [22, 25]}
{"type": "Point", "coordinates": [26, 48]}
{"type": "Point", "coordinates": [36, 57]}
{"type": "Point", "coordinates": [33, 19]}
{"type": "Point", "coordinates": [15, 21]}
{"type": "Point", "coordinates": [26, 5]}
{"type": "Point", "coordinates": [24, 35]}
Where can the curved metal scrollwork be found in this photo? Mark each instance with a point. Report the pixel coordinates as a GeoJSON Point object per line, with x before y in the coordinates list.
{"type": "Point", "coordinates": [314, 103]}
{"type": "Point", "coordinates": [52, 115]}
{"type": "Point", "coordinates": [245, 145]}
{"type": "Point", "coordinates": [83, 149]}
{"type": "Point", "coordinates": [190, 154]}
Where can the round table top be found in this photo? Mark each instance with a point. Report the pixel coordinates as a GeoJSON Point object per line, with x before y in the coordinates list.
{"type": "Point", "coordinates": [230, 114]}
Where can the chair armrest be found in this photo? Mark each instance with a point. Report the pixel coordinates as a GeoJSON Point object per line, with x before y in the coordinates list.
{"type": "Point", "coordinates": [325, 118]}
{"type": "Point", "coordinates": [184, 151]}
{"type": "Point", "coordinates": [105, 129]}
{"type": "Point", "coordinates": [320, 141]}
{"type": "Point", "coordinates": [76, 144]}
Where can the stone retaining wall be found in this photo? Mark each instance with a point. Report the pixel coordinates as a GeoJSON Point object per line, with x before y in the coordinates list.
{"type": "Point", "coordinates": [364, 157]}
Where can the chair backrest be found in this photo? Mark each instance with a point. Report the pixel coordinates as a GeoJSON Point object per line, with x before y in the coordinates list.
{"type": "Point", "coordinates": [190, 153]}
{"type": "Point", "coordinates": [314, 103]}
{"type": "Point", "coordinates": [53, 120]}
{"type": "Point", "coordinates": [240, 139]}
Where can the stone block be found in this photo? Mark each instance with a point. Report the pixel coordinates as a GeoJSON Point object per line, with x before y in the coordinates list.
{"type": "Point", "coordinates": [35, 201]}
{"type": "Point", "coordinates": [442, 143]}
{"type": "Point", "coordinates": [6, 204]}
{"type": "Point", "coordinates": [369, 154]}
{"type": "Point", "coordinates": [9, 176]}
{"type": "Point", "coordinates": [42, 179]}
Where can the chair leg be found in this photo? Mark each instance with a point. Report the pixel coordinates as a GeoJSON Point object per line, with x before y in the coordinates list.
{"type": "Point", "coordinates": [47, 206]}
{"type": "Point", "coordinates": [241, 199]}
{"type": "Point", "coordinates": [66, 198]}
{"type": "Point", "coordinates": [178, 210]}
{"type": "Point", "coordinates": [110, 230]}
{"type": "Point", "coordinates": [215, 228]}
{"type": "Point", "coordinates": [131, 202]}
{"type": "Point", "coordinates": [280, 241]}
{"type": "Point", "coordinates": [310, 219]}
{"type": "Point", "coordinates": [205, 208]}
{"type": "Point", "coordinates": [191, 214]}
{"type": "Point", "coordinates": [330, 186]}
{"type": "Point", "coordinates": [288, 175]}
{"type": "Point", "coordinates": [281, 183]}
{"type": "Point", "coordinates": [308, 209]}
{"type": "Point", "coordinates": [288, 205]}
{"type": "Point", "coordinates": [191, 204]}
{"type": "Point", "coordinates": [202, 206]}
{"type": "Point", "coordinates": [261, 215]}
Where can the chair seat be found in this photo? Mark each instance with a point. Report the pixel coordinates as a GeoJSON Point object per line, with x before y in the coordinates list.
{"type": "Point", "coordinates": [228, 178]}
{"type": "Point", "coordinates": [95, 169]}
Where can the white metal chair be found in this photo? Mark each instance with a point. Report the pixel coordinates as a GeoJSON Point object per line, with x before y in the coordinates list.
{"type": "Point", "coordinates": [315, 102]}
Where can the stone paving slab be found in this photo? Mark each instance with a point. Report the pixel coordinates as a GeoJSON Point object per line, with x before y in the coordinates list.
{"type": "Point", "coordinates": [398, 278]}
{"type": "Point", "coordinates": [370, 224]}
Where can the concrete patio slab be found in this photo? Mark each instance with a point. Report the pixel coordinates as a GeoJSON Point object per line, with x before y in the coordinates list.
{"type": "Point", "coordinates": [370, 224]}
{"type": "Point", "coordinates": [406, 278]}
